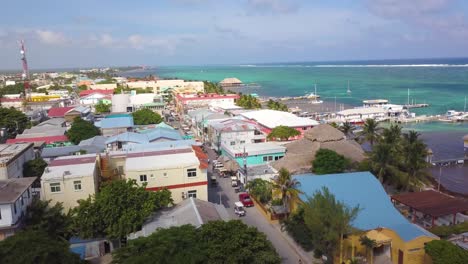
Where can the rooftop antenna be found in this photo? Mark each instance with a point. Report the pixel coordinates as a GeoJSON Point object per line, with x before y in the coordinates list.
{"type": "Point", "coordinates": [25, 74]}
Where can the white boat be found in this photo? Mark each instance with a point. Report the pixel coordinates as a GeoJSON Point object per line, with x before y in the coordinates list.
{"type": "Point", "coordinates": [349, 90]}
{"type": "Point", "coordinates": [316, 101]}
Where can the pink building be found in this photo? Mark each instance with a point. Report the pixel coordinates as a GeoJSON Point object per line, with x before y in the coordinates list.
{"type": "Point", "coordinates": [269, 119]}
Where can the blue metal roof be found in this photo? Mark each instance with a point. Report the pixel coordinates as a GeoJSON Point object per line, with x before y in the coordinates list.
{"type": "Point", "coordinates": [162, 145]}
{"type": "Point", "coordinates": [363, 189]}
{"type": "Point", "coordinates": [117, 122]}
{"type": "Point", "coordinates": [147, 137]}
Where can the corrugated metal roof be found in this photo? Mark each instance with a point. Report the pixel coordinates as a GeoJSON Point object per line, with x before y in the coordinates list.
{"type": "Point", "coordinates": [47, 140]}
{"type": "Point", "coordinates": [363, 189]}
{"type": "Point", "coordinates": [117, 122]}
{"type": "Point", "coordinates": [272, 118]}
{"type": "Point", "coordinates": [147, 137]}
{"type": "Point", "coordinates": [59, 111]}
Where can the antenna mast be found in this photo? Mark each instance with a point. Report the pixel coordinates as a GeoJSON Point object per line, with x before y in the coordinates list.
{"type": "Point", "coordinates": [25, 75]}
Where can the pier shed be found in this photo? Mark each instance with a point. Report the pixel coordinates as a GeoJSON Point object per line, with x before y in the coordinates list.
{"type": "Point", "coordinates": [433, 208]}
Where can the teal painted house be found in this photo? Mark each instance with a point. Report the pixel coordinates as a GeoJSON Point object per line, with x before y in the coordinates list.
{"type": "Point", "coordinates": [255, 153]}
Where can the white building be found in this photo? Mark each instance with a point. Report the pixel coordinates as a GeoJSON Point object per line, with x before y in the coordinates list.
{"type": "Point", "coordinates": [103, 86]}
{"type": "Point", "coordinates": [359, 115]}
{"type": "Point", "coordinates": [92, 99]}
{"type": "Point", "coordinates": [233, 132]}
{"type": "Point", "coordinates": [12, 159]}
{"type": "Point", "coordinates": [122, 103]}
{"type": "Point", "coordinates": [10, 83]}
{"type": "Point", "coordinates": [15, 196]}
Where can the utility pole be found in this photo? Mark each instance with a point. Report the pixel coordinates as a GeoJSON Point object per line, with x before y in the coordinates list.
{"type": "Point", "coordinates": [245, 165]}
{"type": "Point", "coordinates": [440, 176]}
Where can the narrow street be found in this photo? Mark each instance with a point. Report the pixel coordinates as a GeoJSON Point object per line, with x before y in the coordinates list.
{"type": "Point", "coordinates": [225, 194]}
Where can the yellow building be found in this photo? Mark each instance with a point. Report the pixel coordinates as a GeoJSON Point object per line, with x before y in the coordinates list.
{"type": "Point", "coordinates": [69, 179]}
{"type": "Point", "coordinates": [397, 239]}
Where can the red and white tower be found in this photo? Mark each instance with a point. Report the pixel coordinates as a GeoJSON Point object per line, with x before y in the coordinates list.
{"type": "Point", "coordinates": [25, 75]}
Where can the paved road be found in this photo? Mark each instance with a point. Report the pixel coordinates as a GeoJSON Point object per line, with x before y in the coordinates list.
{"type": "Point", "coordinates": [225, 194]}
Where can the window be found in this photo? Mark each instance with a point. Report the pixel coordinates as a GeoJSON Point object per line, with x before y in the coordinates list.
{"type": "Point", "coordinates": [192, 173]}
{"type": "Point", "coordinates": [143, 178]}
{"type": "Point", "coordinates": [14, 207]}
{"type": "Point", "coordinates": [120, 169]}
{"type": "Point", "coordinates": [29, 194]}
{"type": "Point", "coordinates": [0, 214]}
{"type": "Point", "coordinates": [55, 187]}
{"type": "Point", "coordinates": [165, 174]}
{"type": "Point", "coordinates": [233, 143]}
{"type": "Point", "coordinates": [22, 200]}
{"type": "Point", "coordinates": [192, 194]}
{"type": "Point", "coordinates": [265, 158]}
{"type": "Point", "coordinates": [242, 141]}
{"type": "Point", "coordinates": [77, 185]}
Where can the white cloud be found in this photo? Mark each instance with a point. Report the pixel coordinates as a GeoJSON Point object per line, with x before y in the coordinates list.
{"type": "Point", "coordinates": [51, 37]}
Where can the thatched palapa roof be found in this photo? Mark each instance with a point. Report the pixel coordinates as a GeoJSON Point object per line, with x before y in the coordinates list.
{"type": "Point", "coordinates": [301, 153]}
{"type": "Point", "coordinates": [230, 81]}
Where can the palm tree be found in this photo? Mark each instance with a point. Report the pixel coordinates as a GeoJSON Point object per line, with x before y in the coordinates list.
{"type": "Point", "coordinates": [370, 131]}
{"type": "Point", "coordinates": [286, 186]}
{"type": "Point", "coordinates": [382, 160]}
{"type": "Point", "coordinates": [392, 135]}
{"type": "Point", "coordinates": [346, 128]}
{"type": "Point", "coordinates": [345, 216]}
{"type": "Point", "coordinates": [414, 153]}
{"type": "Point", "coordinates": [369, 244]}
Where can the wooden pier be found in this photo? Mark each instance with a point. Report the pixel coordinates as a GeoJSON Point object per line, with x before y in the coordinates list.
{"type": "Point", "coordinates": [409, 106]}
{"type": "Point", "coordinates": [417, 119]}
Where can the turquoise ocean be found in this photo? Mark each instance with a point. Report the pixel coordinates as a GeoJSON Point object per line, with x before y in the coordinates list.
{"type": "Point", "coordinates": [441, 83]}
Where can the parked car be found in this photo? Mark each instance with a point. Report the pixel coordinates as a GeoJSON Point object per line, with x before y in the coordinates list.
{"type": "Point", "coordinates": [234, 183]}
{"type": "Point", "coordinates": [239, 209]}
{"type": "Point", "coordinates": [244, 198]}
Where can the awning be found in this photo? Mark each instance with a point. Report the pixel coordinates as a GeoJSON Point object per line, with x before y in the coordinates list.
{"type": "Point", "coordinates": [379, 237]}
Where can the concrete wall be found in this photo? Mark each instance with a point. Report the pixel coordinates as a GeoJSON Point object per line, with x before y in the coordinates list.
{"type": "Point", "coordinates": [14, 169]}
{"type": "Point", "coordinates": [9, 217]}
{"type": "Point", "coordinates": [68, 195]}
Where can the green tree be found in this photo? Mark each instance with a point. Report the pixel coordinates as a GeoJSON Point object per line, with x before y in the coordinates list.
{"type": "Point", "coordinates": [370, 131]}
{"type": "Point", "coordinates": [275, 105]}
{"type": "Point", "coordinates": [328, 161]}
{"type": "Point", "coordinates": [286, 187]}
{"type": "Point", "coordinates": [282, 133]}
{"type": "Point", "coordinates": [211, 87]}
{"type": "Point", "coordinates": [248, 102]}
{"type": "Point", "coordinates": [346, 128]}
{"type": "Point", "coordinates": [414, 153]}
{"type": "Point", "coordinates": [40, 216]}
{"type": "Point", "coordinates": [117, 210]}
{"type": "Point", "coordinates": [36, 247]}
{"type": "Point", "coordinates": [369, 244]}
{"type": "Point", "coordinates": [328, 221]}
{"type": "Point", "coordinates": [382, 160]}
{"type": "Point", "coordinates": [146, 117]}
{"type": "Point", "coordinates": [102, 107]}
{"type": "Point", "coordinates": [34, 168]}
{"type": "Point", "coordinates": [13, 120]}
{"type": "Point", "coordinates": [391, 135]}
{"type": "Point", "coordinates": [444, 252]}
{"type": "Point", "coordinates": [81, 130]}
{"type": "Point", "coordinates": [82, 87]}
{"type": "Point", "coordinates": [261, 189]}
{"type": "Point", "coordinates": [213, 242]}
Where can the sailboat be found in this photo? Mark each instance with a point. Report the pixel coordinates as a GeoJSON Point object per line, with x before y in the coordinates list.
{"type": "Point", "coordinates": [316, 101]}
{"type": "Point", "coordinates": [349, 90]}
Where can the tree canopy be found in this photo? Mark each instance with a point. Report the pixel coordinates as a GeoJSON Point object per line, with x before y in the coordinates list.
{"type": "Point", "coordinates": [81, 130]}
{"type": "Point", "coordinates": [34, 168]}
{"type": "Point", "coordinates": [211, 87]}
{"type": "Point", "coordinates": [11, 119]}
{"type": "Point", "coordinates": [444, 252]}
{"type": "Point", "coordinates": [33, 246]}
{"type": "Point", "coordinates": [275, 105]}
{"type": "Point", "coordinates": [328, 161]}
{"type": "Point", "coordinates": [328, 220]}
{"type": "Point", "coordinates": [286, 187]}
{"type": "Point", "coordinates": [117, 210]}
{"type": "Point", "coordinates": [261, 189]}
{"type": "Point", "coordinates": [213, 242]}
{"type": "Point", "coordinates": [282, 133]}
{"type": "Point", "coordinates": [41, 216]}
{"type": "Point", "coordinates": [102, 107]}
{"type": "Point", "coordinates": [146, 117]}
{"type": "Point", "coordinates": [248, 102]}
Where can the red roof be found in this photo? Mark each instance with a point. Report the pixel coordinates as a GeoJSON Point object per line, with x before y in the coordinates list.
{"type": "Point", "coordinates": [11, 99]}
{"type": "Point", "coordinates": [202, 157]}
{"type": "Point", "coordinates": [432, 203]}
{"type": "Point", "coordinates": [47, 140]}
{"type": "Point", "coordinates": [97, 91]}
{"type": "Point", "coordinates": [59, 111]}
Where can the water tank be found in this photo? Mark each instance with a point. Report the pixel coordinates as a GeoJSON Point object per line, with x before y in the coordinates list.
{"type": "Point", "coordinates": [120, 103]}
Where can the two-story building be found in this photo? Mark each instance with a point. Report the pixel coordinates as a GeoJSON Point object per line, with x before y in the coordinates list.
{"type": "Point", "coordinates": [253, 154]}
{"type": "Point", "coordinates": [233, 132]}
{"type": "Point", "coordinates": [69, 179]}
{"type": "Point", "coordinates": [184, 102]}
{"type": "Point", "coordinates": [15, 196]}
{"type": "Point", "coordinates": [12, 159]}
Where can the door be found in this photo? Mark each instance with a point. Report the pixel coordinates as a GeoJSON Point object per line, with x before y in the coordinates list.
{"type": "Point", "coordinates": [400, 257]}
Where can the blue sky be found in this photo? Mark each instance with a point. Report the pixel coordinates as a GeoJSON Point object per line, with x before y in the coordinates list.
{"type": "Point", "coordinates": [193, 32]}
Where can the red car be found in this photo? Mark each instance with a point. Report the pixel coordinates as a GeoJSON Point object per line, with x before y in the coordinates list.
{"type": "Point", "coordinates": [244, 198]}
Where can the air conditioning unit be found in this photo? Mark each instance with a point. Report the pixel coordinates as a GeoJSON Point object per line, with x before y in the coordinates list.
{"type": "Point", "coordinates": [184, 195]}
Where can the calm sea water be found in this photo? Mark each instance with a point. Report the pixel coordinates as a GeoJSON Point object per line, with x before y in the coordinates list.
{"type": "Point", "coordinates": [442, 83]}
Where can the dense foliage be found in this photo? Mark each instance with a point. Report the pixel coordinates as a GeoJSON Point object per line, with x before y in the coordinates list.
{"type": "Point", "coordinates": [248, 102]}
{"type": "Point", "coordinates": [297, 229]}
{"type": "Point", "coordinates": [119, 209]}
{"type": "Point", "coordinates": [124, 89]}
{"type": "Point", "coordinates": [13, 119]}
{"type": "Point", "coordinates": [211, 87]}
{"type": "Point", "coordinates": [34, 168]}
{"type": "Point", "coordinates": [399, 158]}
{"type": "Point", "coordinates": [282, 133]}
{"type": "Point", "coordinates": [17, 88]}
{"type": "Point", "coordinates": [102, 107]}
{"type": "Point", "coordinates": [328, 161]}
{"type": "Point", "coordinates": [286, 187]}
{"type": "Point", "coordinates": [41, 216]}
{"type": "Point", "coordinates": [260, 189]}
{"type": "Point", "coordinates": [81, 130]}
{"type": "Point", "coordinates": [37, 247]}
{"type": "Point", "coordinates": [446, 231]}
{"type": "Point", "coordinates": [146, 117]}
{"type": "Point", "coordinates": [275, 105]}
{"type": "Point", "coordinates": [213, 242]}
{"type": "Point", "coordinates": [328, 220]}
{"type": "Point", "coordinates": [444, 252]}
